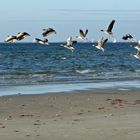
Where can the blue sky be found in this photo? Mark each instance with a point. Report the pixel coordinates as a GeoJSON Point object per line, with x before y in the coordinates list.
{"type": "Point", "coordinates": [68, 16]}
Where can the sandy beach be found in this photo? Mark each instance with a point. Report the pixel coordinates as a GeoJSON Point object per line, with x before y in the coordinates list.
{"type": "Point", "coordinates": [85, 115]}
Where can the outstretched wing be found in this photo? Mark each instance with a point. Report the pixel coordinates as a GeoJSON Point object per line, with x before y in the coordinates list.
{"type": "Point", "coordinates": [48, 31]}
{"type": "Point", "coordinates": [109, 29]}
{"type": "Point", "coordinates": [104, 41]}
{"type": "Point", "coordinates": [74, 42]}
{"type": "Point", "coordinates": [37, 39]}
{"type": "Point", "coordinates": [81, 33]}
{"type": "Point", "coordinates": [127, 36]}
{"type": "Point", "coordinates": [86, 32]}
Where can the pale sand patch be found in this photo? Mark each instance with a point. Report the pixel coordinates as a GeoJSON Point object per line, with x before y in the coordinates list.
{"type": "Point", "coordinates": [98, 115]}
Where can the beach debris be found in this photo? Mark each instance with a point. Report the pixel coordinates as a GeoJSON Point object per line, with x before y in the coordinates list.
{"type": "Point", "coordinates": [55, 120]}
{"type": "Point", "coordinates": [76, 120]}
{"type": "Point", "coordinates": [28, 135]}
{"type": "Point", "coordinates": [26, 115]}
{"type": "Point", "coordinates": [89, 111]}
{"type": "Point", "coordinates": [9, 118]}
{"type": "Point", "coordinates": [136, 102]}
{"type": "Point", "coordinates": [1, 125]}
{"type": "Point", "coordinates": [101, 108]}
{"type": "Point", "coordinates": [37, 121]}
{"type": "Point", "coordinates": [108, 99]}
{"type": "Point", "coordinates": [111, 114]}
{"type": "Point", "coordinates": [119, 102]}
{"type": "Point", "coordinates": [36, 124]}
{"type": "Point", "coordinates": [16, 131]}
{"type": "Point", "coordinates": [57, 115]}
{"type": "Point", "coordinates": [80, 113]}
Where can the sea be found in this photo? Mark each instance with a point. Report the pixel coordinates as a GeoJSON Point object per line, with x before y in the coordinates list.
{"type": "Point", "coordinates": [30, 68]}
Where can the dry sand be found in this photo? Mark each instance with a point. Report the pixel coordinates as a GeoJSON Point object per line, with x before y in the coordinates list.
{"type": "Point", "coordinates": [93, 115]}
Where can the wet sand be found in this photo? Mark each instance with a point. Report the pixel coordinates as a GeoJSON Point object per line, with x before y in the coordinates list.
{"type": "Point", "coordinates": [85, 115]}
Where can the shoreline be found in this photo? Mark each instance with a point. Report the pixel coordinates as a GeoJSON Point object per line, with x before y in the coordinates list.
{"type": "Point", "coordinates": [79, 115]}
{"type": "Point", "coordinates": [69, 87]}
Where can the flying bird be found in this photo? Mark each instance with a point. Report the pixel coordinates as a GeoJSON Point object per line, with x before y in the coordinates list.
{"type": "Point", "coordinates": [137, 55]}
{"type": "Point", "coordinates": [40, 41]}
{"type": "Point", "coordinates": [48, 31]}
{"type": "Point", "coordinates": [128, 37]}
{"type": "Point", "coordinates": [108, 31]}
{"type": "Point", "coordinates": [69, 44]}
{"type": "Point", "coordinates": [137, 46]}
{"type": "Point", "coordinates": [10, 39]}
{"type": "Point", "coordinates": [82, 34]}
{"type": "Point", "coordinates": [22, 35]}
{"type": "Point", "coordinates": [101, 44]}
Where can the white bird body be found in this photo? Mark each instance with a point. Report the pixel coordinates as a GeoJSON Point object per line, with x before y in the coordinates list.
{"type": "Point", "coordinates": [101, 44]}
{"type": "Point", "coordinates": [138, 46]}
{"type": "Point", "coordinates": [10, 39]}
{"type": "Point", "coordinates": [137, 55]}
{"type": "Point", "coordinates": [108, 31]}
{"type": "Point", "coordinates": [128, 37]}
{"type": "Point", "coordinates": [100, 48]}
{"type": "Point", "coordinates": [40, 41]}
{"type": "Point", "coordinates": [69, 41]}
{"type": "Point", "coordinates": [69, 47]}
{"type": "Point", "coordinates": [22, 35]}
{"type": "Point", "coordinates": [69, 44]}
{"type": "Point", "coordinates": [48, 31]}
{"type": "Point", "coordinates": [82, 34]}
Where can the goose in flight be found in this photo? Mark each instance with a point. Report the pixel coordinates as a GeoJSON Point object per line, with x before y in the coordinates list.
{"type": "Point", "coordinates": [40, 41]}
{"type": "Point", "coordinates": [137, 55]}
{"type": "Point", "coordinates": [48, 31]}
{"type": "Point", "coordinates": [108, 31]}
{"type": "Point", "coordinates": [128, 37]}
{"type": "Point", "coordinates": [69, 44]}
{"type": "Point", "coordinates": [82, 34]}
{"type": "Point", "coordinates": [101, 44]}
{"type": "Point", "coordinates": [10, 39]}
{"type": "Point", "coordinates": [22, 35]}
{"type": "Point", "coordinates": [137, 46]}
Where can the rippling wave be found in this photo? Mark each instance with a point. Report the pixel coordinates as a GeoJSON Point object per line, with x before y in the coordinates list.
{"type": "Point", "coordinates": [29, 63]}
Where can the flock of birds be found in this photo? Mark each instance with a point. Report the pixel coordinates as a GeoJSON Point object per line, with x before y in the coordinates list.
{"type": "Point", "coordinates": [70, 42]}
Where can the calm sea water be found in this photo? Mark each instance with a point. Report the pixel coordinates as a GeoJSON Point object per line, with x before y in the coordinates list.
{"type": "Point", "coordinates": [29, 63]}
